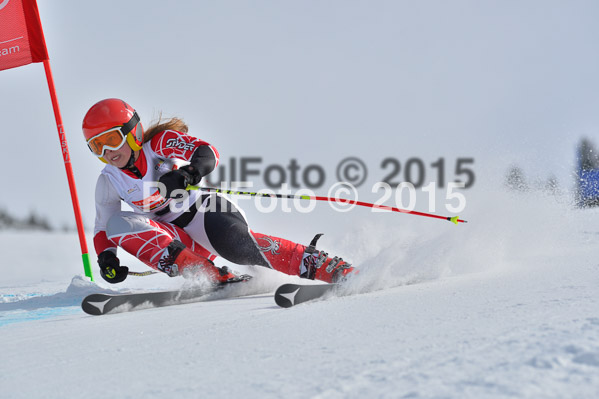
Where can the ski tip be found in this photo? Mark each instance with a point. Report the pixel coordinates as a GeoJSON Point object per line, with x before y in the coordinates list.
{"type": "Point", "coordinates": [285, 295]}
{"type": "Point", "coordinates": [94, 304]}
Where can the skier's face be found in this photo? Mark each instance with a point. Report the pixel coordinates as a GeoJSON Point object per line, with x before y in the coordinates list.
{"type": "Point", "coordinates": [118, 158]}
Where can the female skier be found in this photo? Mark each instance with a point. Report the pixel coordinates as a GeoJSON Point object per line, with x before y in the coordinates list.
{"type": "Point", "coordinates": [172, 230]}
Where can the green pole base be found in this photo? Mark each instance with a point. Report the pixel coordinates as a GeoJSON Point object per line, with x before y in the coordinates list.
{"type": "Point", "coordinates": [87, 266]}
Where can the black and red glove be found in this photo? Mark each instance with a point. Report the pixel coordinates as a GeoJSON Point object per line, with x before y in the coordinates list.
{"type": "Point", "coordinates": [111, 269]}
{"type": "Point", "coordinates": [179, 180]}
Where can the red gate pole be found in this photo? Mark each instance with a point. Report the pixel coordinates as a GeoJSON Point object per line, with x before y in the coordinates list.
{"type": "Point", "coordinates": [67, 164]}
{"type": "Point", "coordinates": [67, 161]}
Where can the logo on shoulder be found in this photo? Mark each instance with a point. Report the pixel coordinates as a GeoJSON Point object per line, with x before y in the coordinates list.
{"type": "Point", "coordinates": [179, 144]}
{"type": "Point", "coordinates": [133, 189]}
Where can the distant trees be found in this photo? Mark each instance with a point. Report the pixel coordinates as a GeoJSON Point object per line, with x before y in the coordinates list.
{"type": "Point", "coordinates": [31, 222]}
{"type": "Point", "coordinates": [515, 180]}
{"type": "Point", "coordinates": [588, 157]}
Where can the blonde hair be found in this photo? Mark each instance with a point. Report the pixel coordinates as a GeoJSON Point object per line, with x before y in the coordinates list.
{"type": "Point", "coordinates": [161, 125]}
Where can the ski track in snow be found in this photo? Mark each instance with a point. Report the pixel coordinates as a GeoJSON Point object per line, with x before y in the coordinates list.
{"type": "Point", "coordinates": [498, 308]}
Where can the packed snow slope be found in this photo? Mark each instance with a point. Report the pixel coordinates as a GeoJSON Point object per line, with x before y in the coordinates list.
{"type": "Point", "coordinates": [505, 306]}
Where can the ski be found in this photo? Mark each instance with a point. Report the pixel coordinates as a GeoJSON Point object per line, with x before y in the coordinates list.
{"type": "Point", "coordinates": [101, 304]}
{"type": "Point", "coordinates": [289, 295]}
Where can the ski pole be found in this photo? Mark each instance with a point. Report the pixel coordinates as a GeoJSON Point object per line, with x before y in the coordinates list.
{"type": "Point", "coordinates": [141, 274]}
{"type": "Point", "coordinates": [453, 219]}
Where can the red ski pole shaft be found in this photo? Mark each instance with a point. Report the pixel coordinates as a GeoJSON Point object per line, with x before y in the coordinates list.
{"type": "Point", "coordinates": [453, 219]}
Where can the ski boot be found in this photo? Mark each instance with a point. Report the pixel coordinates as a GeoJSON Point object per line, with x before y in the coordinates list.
{"type": "Point", "coordinates": [178, 260]}
{"type": "Point", "coordinates": [317, 265]}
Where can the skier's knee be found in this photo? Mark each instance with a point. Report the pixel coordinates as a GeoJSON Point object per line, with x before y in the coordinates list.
{"type": "Point", "coordinates": [125, 222]}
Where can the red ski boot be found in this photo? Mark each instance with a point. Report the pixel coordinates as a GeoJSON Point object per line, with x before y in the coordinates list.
{"type": "Point", "coordinates": [317, 265]}
{"type": "Point", "coordinates": [297, 259]}
{"type": "Point", "coordinates": [180, 260]}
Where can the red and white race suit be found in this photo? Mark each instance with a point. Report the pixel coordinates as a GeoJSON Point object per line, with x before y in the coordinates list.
{"type": "Point", "coordinates": [208, 225]}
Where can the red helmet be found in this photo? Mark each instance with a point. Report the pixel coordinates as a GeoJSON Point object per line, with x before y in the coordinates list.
{"type": "Point", "coordinates": [113, 113]}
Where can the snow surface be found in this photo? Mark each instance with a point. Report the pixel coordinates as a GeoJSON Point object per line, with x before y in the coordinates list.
{"type": "Point", "coordinates": [505, 306]}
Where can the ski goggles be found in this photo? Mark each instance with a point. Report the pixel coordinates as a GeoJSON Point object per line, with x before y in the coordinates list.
{"type": "Point", "coordinates": [112, 139]}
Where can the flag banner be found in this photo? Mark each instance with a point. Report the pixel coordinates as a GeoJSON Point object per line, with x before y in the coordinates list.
{"type": "Point", "coordinates": [21, 37]}
{"type": "Point", "coordinates": [22, 42]}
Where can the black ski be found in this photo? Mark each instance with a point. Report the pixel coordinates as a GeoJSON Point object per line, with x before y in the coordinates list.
{"type": "Point", "coordinates": [100, 304]}
{"type": "Point", "coordinates": [289, 295]}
